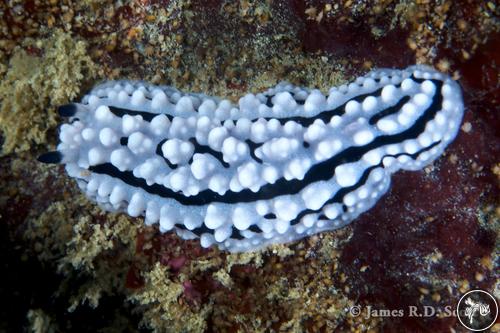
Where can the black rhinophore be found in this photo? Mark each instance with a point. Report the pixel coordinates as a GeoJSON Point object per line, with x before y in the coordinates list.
{"type": "Point", "coordinates": [67, 110]}
{"type": "Point", "coordinates": [51, 157]}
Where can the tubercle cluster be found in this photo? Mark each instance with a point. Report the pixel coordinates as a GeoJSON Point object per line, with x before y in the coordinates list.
{"type": "Point", "coordinates": [281, 165]}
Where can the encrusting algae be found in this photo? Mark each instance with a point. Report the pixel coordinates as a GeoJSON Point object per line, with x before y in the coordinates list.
{"type": "Point", "coordinates": [164, 312]}
{"type": "Point", "coordinates": [41, 75]}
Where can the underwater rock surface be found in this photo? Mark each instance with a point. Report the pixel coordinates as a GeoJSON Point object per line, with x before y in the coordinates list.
{"type": "Point", "coordinates": [433, 237]}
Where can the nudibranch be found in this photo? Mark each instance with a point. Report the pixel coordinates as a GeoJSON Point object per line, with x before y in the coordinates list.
{"type": "Point", "coordinates": [281, 165]}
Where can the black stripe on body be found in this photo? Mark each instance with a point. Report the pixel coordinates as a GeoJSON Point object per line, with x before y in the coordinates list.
{"type": "Point", "coordinates": [341, 193]}
{"type": "Point", "coordinates": [253, 146]}
{"type": "Point", "coordinates": [318, 172]}
{"type": "Point", "coordinates": [147, 116]}
{"type": "Point", "coordinates": [327, 114]}
{"type": "Point", "coordinates": [203, 149]}
{"type": "Point", "coordinates": [338, 111]}
{"type": "Point", "coordinates": [198, 148]}
{"type": "Point", "coordinates": [337, 198]}
{"type": "Point", "coordinates": [304, 121]}
{"type": "Point", "coordinates": [160, 153]}
{"type": "Point", "coordinates": [269, 102]}
{"type": "Point", "coordinates": [391, 110]}
{"type": "Point", "coordinates": [203, 229]}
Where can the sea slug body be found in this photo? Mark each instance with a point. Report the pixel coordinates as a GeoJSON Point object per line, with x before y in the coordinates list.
{"type": "Point", "coordinates": [281, 165]}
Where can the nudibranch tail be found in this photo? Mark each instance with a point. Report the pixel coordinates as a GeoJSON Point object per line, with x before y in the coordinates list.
{"type": "Point", "coordinates": [278, 166]}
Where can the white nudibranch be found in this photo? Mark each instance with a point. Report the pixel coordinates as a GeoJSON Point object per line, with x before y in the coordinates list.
{"type": "Point", "coordinates": [278, 166]}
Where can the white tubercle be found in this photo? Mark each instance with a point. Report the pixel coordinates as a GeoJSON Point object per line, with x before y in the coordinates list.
{"type": "Point", "coordinates": [273, 167]}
